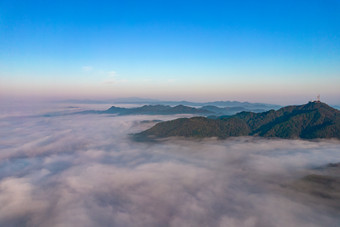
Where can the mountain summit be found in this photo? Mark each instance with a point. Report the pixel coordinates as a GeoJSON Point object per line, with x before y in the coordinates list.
{"type": "Point", "coordinates": [309, 121]}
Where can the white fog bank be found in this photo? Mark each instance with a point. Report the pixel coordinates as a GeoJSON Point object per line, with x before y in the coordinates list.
{"type": "Point", "coordinates": [84, 170]}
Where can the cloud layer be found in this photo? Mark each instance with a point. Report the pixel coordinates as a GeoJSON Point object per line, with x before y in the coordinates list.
{"type": "Point", "coordinates": [86, 171]}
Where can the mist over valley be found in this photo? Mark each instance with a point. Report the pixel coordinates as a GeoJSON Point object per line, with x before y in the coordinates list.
{"type": "Point", "coordinates": [86, 170]}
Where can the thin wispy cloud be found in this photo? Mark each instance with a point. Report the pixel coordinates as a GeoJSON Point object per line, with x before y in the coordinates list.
{"type": "Point", "coordinates": [111, 73]}
{"type": "Point", "coordinates": [87, 68]}
{"type": "Point", "coordinates": [113, 78]}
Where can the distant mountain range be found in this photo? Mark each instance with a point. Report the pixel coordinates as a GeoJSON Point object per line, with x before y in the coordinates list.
{"type": "Point", "coordinates": [170, 110]}
{"type": "Point", "coordinates": [157, 110]}
{"type": "Point", "coordinates": [143, 101]}
{"type": "Point", "coordinates": [309, 121]}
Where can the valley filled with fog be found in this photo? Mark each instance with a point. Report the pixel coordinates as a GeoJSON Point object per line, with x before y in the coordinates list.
{"type": "Point", "coordinates": [86, 170]}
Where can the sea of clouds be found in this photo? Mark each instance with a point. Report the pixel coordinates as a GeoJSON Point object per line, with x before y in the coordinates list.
{"type": "Point", "coordinates": [85, 170]}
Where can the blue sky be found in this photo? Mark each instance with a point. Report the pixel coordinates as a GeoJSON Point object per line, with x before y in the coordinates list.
{"type": "Point", "coordinates": [273, 51]}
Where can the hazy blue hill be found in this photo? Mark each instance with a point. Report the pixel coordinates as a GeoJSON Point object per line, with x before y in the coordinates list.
{"type": "Point", "coordinates": [219, 111]}
{"type": "Point", "coordinates": [239, 106]}
{"type": "Point", "coordinates": [156, 109]}
{"type": "Point", "coordinates": [309, 121]}
{"type": "Point", "coordinates": [168, 110]}
{"type": "Point", "coordinates": [186, 109]}
{"type": "Point", "coordinates": [117, 110]}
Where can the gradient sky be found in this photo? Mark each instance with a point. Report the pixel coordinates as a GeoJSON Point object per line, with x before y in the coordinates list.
{"type": "Point", "coordinates": [283, 52]}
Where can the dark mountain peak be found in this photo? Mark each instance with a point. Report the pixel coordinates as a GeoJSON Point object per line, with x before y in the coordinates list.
{"type": "Point", "coordinates": [310, 106]}
{"type": "Point", "coordinates": [114, 108]}
{"type": "Point", "coordinates": [316, 105]}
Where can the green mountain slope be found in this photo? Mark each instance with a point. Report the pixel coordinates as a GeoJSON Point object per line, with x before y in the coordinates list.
{"type": "Point", "coordinates": [309, 121]}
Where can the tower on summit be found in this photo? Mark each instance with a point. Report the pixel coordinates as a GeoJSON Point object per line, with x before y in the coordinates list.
{"type": "Point", "coordinates": [318, 98]}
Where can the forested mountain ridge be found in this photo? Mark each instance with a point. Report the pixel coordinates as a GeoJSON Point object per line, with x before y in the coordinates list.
{"type": "Point", "coordinates": [309, 121]}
